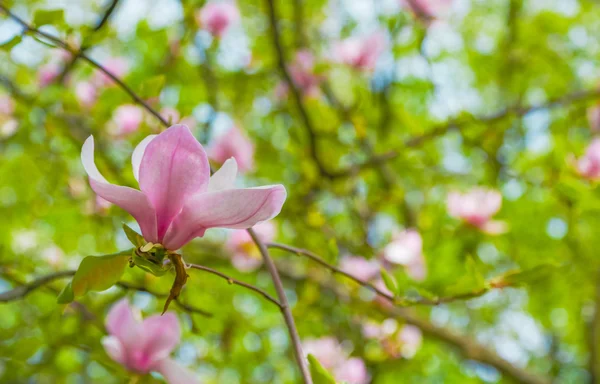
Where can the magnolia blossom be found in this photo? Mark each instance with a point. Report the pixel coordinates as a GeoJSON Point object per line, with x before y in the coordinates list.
{"type": "Point", "coordinates": [217, 17]}
{"type": "Point", "coordinates": [427, 8]}
{"type": "Point", "coordinates": [53, 255]}
{"type": "Point", "coordinates": [116, 66]}
{"type": "Point", "coordinates": [302, 73]}
{"type": "Point", "coordinates": [360, 267]}
{"type": "Point", "coordinates": [588, 165]}
{"type": "Point", "coordinates": [406, 248]}
{"type": "Point", "coordinates": [332, 357]}
{"type": "Point", "coordinates": [174, 117]}
{"type": "Point", "coordinates": [86, 93]}
{"type": "Point", "coordinates": [179, 200]}
{"type": "Point", "coordinates": [8, 124]}
{"type": "Point", "coordinates": [126, 119]}
{"type": "Point", "coordinates": [360, 52]}
{"type": "Point", "coordinates": [476, 208]}
{"type": "Point", "coordinates": [245, 254]}
{"type": "Point", "coordinates": [410, 338]}
{"type": "Point", "coordinates": [47, 73]}
{"type": "Point", "coordinates": [233, 143]}
{"type": "Point", "coordinates": [144, 346]}
{"type": "Point", "coordinates": [404, 342]}
{"type": "Point", "coordinates": [593, 115]}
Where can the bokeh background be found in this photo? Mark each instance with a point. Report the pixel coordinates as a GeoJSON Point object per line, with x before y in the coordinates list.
{"type": "Point", "coordinates": [460, 94]}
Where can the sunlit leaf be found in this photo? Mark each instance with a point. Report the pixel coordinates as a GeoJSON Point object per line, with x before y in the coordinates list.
{"type": "Point", "coordinates": [97, 273]}
{"type": "Point", "coordinates": [319, 374]}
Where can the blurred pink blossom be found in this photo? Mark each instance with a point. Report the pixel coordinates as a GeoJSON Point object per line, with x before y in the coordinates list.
{"type": "Point", "coordinates": [233, 143]}
{"type": "Point", "coordinates": [360, 267]}
{"type": "Point", "coordinates": [352, 371]}
{"type": "Point", "coordinates": [144, 346]}
{"type": "Point", "coordinates": [116, 66]}
{"type": "Point", "coordinates": [593, 115]}
{"type": "Point", "coordinates": [427, 8]}
{"type": "Point", "coordinates": [217, 17]}
{"type": "Point", "coordinates": [178, 198]}
{"type": "Point", "coordinates": [47, 73]}
{"type": "Point", "coordinates": [7, 105]}
{"type": "Point", "coordinates": [302, 73]}
{"type": "Point", "coordinates": [360, 52]}
{"type": "Point", "coordinates": [102, 205]}
{"type": "Point", "coordinates": [406, 248]}
{"type": "Point", "coordinates": [86, 93]}
{"type": "Point", "coordinates": [330, 354]}
{"type": "Point", "coordinates": [588, 165]}
{"type": "Point", "coordinates": [476, 208]}
{"type": "Point", "coordinates": [245, 255]}
{"type": "Point", "coordinates": [126, 119]}
{"type": "Point", "coordinates": [410, 338]}
{"type": "Point", "coordinates": [53, 255]}
{"type": "Point", "coordinates": [8, 124]}
{"type": "Point", "coordinates": [170, 114]}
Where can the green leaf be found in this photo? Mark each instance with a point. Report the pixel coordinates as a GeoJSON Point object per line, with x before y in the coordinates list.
{"type": "Point", "coordinates": [136, 239]}
{"type": "Point", "coordinates": [7, 46]}
{"type": "Point", "coordinates": [149, 266]}
{"type": "Point", "coordinates": [319, 374]}
{"type": "Point", "coordinates": [97, 273]}
{"type": "Point", "coordinates": [152, 86]}
{"type": "Point", "coordinates": [48, 16]}
{"type": "Point", "coordinates": [66, 295]}
{"type": "Point", "coordinates": [333, 249]}
{"type": "Point", "coordinates": [528, 276]}
{"type": "Point", "coordinates": [389, 281]}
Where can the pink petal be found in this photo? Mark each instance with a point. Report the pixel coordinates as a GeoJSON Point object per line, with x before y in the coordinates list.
{"type": "Point", "coordinates": [160, 335]}
{"type": "Point", "coordinates": [114, 349]}
{"type": "Point", "coordinates": [224, 178]}
{"type": "Point", "coordinates": [131, 200]}
{"type": "Point", "coordinates": [232, 208]}
{"type": "Point", "coordinates": [175, 373]}
{"type": "Point", "coordinates": [173, 168]}
{"type": "Point", "coordinates": [138, 154]}
{"type": "Point", "coordinates": [122, 324]}
{"type": "Point", "coordinates": [352, 371]}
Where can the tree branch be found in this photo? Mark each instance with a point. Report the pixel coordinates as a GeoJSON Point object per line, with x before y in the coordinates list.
{"type": "Point", "coordinates": [21, 291]}
{"type": "Point", "coordinates": [310, 129]}
{"type": "Point", "coordinates": [285, 307]}
{"type": "Point", "coordinates": [94, 63]}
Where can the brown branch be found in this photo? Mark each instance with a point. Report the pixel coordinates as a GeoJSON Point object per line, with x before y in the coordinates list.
{"type": "Point", "coordinates": [285, 307]}
{"type": "Point", "coordinates": [399, 301]}
{"type": "Point", "coordinates": [441, 129]}
{"type": "Point", "coordinates": [94, 63]}
{"type": "Point", "coordinates": [310, 129]}
{"type": "Point", "coordinates": [21, 291]}
{"type": "Point", "coordinates": [233, 281]}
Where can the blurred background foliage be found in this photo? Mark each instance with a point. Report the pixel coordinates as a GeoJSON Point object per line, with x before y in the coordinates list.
{"type": "Point", "coordinates": [447, 107]}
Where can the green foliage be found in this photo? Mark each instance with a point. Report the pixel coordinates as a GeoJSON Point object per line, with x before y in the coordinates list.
{"type": "Point", "coordinates": [319, 374]}
{"type": "Point", "coordinates": [97, 273]}
{"type": "Point", "coordinates": [48, 16]}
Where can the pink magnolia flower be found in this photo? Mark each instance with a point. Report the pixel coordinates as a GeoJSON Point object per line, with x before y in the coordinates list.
{"type": "Point", "coordinates": [361, 53]}
{"type": "Point", "coordinates": [217, 17]}
{"type": "Point", "coordinates": [47, 73]}
{"type": "Point", "coordinates": [86, 93]}
{"type": "Point", "coordinates": [410, 338]}
{"type": "Point", "coordinates": [117, 66]}
{"type": "Point", "coordinates": [8, 124]}
{"type": "Point", "coordinates": [127, 119]}
{"type": "Point", "coordinates": [427, 8]}
{"type": "Point", "coordinates": [102, 205]}
{"type": "Point", "coordinates": [360, 267]}
{"type": "Point", "coordinates": [593, 115]}
{"type": "Point", "coordinates": [301, 71]}
{"type": "Point", "coordinates": [170, 114]}
{"type": "Point", "coordinates": [406, 248]}
{"type": "Point", "coordinates": [145, 346]}
{"type": "Point", "coordinates": [245, 255]}
{"type": "Point", "coordinates": [179, 200]}
{"type": "Point", "coordinates": [588, 165]}
{"type": "Point", "coordinates": [7, 105]}
{"type": "Point", "coordinates": [233, 143]}
{"type": "Point", "coordinates": [476, 208]}
{"type": "Point", "coordinates": [327, 350]}
{"type": "Point", "coordinates": [352, 371]}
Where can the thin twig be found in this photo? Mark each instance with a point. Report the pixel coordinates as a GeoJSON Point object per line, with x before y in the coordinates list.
{"type": "Point", "coordinates": [389, 297]}
{"type": "Point", "coordinates": [94, 63]}
{"type": "Point", "coordinates": [312, 136]}
{"type": "Point", "coordinates": [285, 307]}
{"type": "Point", "coordinates": [21, 291]}
{"type": "Point", "coordinates": [439, 130]}
{"type": "Point", "coordinates": [231, 280]}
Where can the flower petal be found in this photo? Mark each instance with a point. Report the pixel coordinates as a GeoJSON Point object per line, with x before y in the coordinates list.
{"type": "Point", "coordinates": [173, 168]}
{"type": "Point", "coordinates": [131, 200]}
{"type": "Point", "coordinates": [175, 373]}
{"type": "Point", "coordinates": [114, 349]}
{"type": "Point", "coordinates": [161, 334]}
{"type": "Point", "coordinates": [121, 323]}
{"type": "Point", "coordinates": [232, 208]}
{"type": "Point", "coordinates": [138, 154]}
{"type": "Point", "coordinates": [224, 178]}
